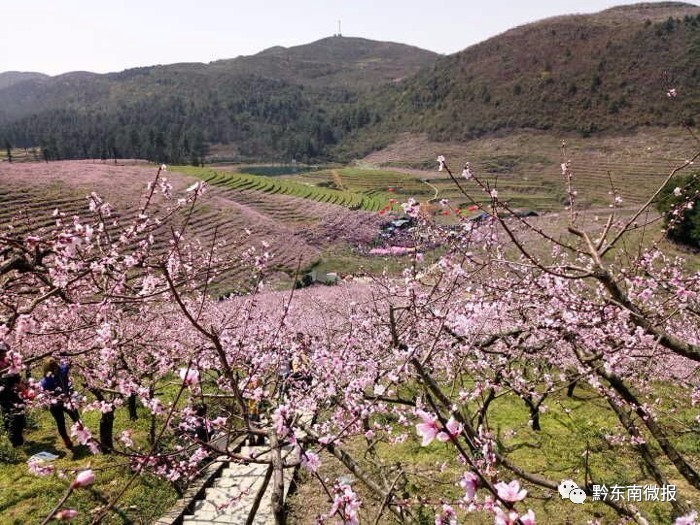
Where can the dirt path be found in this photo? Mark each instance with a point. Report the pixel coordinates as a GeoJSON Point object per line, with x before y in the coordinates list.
{"type": "Point", "coordinates": [437, 192]}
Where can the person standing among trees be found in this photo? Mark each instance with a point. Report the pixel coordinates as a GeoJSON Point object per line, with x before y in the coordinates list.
{"type": "Point", "coordinates": [56, 382]}
{"type": "Point", "coordinates": [252, 414]}
{"type": "Point", "coordinates": [11, 399]}
{"type": "Point", "coordinates": [201, 428]}
{"type": "Point", "coordinates": [300, 362]}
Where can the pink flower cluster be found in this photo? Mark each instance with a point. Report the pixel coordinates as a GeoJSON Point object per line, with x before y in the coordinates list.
{"type": "Point", "coordinates": [429, 429]}
{"type": "Point", "coordinates": [346, 505]}
{"type": "Point", "coordinates": [84, 478]}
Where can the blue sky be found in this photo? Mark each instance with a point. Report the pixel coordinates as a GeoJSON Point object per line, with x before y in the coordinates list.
{"type": "Point", "coordinates": [57, 36]}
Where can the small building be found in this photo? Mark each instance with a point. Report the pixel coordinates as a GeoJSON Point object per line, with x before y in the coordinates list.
{"type": "Point", "coordinates": [317, 277]}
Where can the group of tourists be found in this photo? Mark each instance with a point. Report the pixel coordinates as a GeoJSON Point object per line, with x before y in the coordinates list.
{"type": "Point", "coordinates": [15, 392]}
{"type": "Point", "coordinates": [294, 375]}
{"type": "Point", "coordinates": [56, 386]}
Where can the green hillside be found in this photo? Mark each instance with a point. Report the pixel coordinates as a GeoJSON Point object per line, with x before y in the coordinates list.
{"type": "Point", "coordinates": [585, 73]}
{"type": "Point", "coordinates": [281, 103]}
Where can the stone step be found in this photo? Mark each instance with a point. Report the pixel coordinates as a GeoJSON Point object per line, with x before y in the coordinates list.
{"type": "Point", "coordinates": [218, 493]}
{"type": "Point", "coordinates": [222, 518]}
{"type": "Point", "coordinates": [218, 507]}
{"type": "Point", "coordinates": [193, 521]}
{"type": "Point", "coordinates": [261, 518]}
{"type": "Point", "coordinates": [243, 471]}
{"type": "Point", "coordinates": [239, 483]}
{"type": "Point", "coordinates": [211, 514]}
{"type": "Point", "coordinates": [231, 483]}
{"type": "Point", "coordinates": [239, 517]}
{"type": "Point", "coordinates": [261, 453]}
{"type": "Point", "coordinates": [217, 496]}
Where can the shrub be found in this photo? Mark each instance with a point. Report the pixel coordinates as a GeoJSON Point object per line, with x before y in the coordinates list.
{"type": "Point", "coordinates": [677, 201]}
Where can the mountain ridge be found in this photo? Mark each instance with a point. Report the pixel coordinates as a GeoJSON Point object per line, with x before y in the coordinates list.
{"type": "Point", "coordinates": [8, 78]}
{"type": "Point", "coordinates": [279, 103]}
{"type": "Point", "coordinates": [341, 97]}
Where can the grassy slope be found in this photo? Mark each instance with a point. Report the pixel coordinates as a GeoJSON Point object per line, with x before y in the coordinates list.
{"type": "Point", "coordinates": [529, 162]}
{"type": "Point", "coordinates": [265, 184]}
{"type": "Point", "coordinates": [26, 498]}
{"type": "Point", "coordinates": [556, 452]}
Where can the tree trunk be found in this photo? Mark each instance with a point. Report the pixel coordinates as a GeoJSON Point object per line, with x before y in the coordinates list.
{"type": "Point", "coordinates": [277, 498]}
{"type": "Point", "coordinates": [534, 411]}
{"type": "Point", "coordinates": [535, 417]}
{"type": "Point", "coordinates": [107, 432]}
{"type": "Point", "coordinates": [152, 429]}
{"type": "Point", "coordinates": [131, 406]}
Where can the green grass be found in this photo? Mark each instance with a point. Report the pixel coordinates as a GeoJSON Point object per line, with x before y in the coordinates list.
{"type": "Point", "coordinates": [32, 497]}
{"type": "Point", "coordinates": [21, 155]}
{"type": "Point", "coordinates": [569, 426]}
{"type": "Point", "coordinates": [385, 184]}
{"type": "Point", "coordinates": [344, 260]}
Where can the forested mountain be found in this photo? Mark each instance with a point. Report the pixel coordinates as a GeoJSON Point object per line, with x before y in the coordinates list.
{"type": "Point", "coordinates": [607, 71]}
{"type": "Point", "coordinates": [335, 62]}
{"type": "Point", "coordinates": [12, 77]}
{"type": "Point", "coordinates": [341, 97]}
{"type": "Point", "coordinates": [281, 103]}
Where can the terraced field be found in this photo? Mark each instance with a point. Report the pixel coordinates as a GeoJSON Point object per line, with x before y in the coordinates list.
{"type": "Point", "coordinates": [296, 229]}
{"type": "Point", "coordinates": [282, 186]}
{"type": "Point", "coordinates": [530, 180]}
{"type": "Point", "coordinates": [525, 166]}
{"type": "Point", "coordinates": [305, 216]}
{"type": "Point", "coordinates": [543, 195]}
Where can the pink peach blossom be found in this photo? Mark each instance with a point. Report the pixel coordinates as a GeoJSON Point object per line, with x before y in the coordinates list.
{"type": "Point", "coordinates": [83, 479]}
{"type": "Point", "coordinates": [510, 491]}
{"type": "Point", "coordinates": [66, 514]}
{"type": "Point", "coordinates": [428, 429]}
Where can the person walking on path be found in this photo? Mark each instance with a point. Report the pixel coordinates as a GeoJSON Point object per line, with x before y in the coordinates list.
{"type": "Point", "coordinates": [56, 382]}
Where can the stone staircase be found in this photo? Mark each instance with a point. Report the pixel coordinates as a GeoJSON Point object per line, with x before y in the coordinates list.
{"type": "Point", "coordinates": [232, 496]}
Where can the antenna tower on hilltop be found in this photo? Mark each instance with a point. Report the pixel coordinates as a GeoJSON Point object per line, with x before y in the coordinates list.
{"type": "Point", "coordinates": [339, 31]}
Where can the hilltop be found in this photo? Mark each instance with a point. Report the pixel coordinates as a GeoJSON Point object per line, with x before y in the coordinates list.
{"type": "Point", "coordinates": [13, 77]}
{"type": "Point", "coordinates": [334, 62]}
{"type": "Point", "coordinates": [280, 103]}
